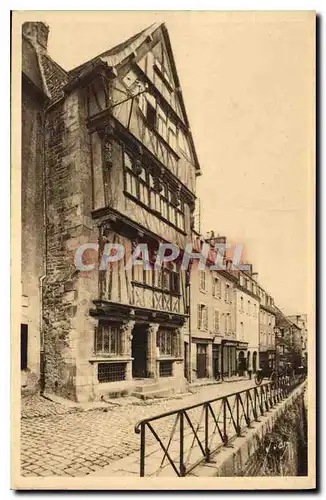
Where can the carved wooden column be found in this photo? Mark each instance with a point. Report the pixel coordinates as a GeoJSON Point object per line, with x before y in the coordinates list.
{"type": "Point", "coordinates": [151, 350]}
{"type": "Point", "coordinates": [126, 337]}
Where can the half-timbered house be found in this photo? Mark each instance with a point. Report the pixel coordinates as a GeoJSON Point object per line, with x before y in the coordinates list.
{"type": "Point", "coordinates": [121, 169]}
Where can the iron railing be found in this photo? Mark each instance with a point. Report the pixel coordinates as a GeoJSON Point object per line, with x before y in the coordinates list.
{"type": "Point", "coordinates": [191, 435]}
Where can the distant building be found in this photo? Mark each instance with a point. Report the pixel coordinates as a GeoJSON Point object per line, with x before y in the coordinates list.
{"type": "Point", "coordinates": [212, 312]}
{"type": "Point", "coordinates": [247, 321]}
{"type": "Point", "coordinates": [267, 346]}
{"type": "Point", "coordinates": [301, 320]}
{"type": "Point", "coordinates": [288, 344]}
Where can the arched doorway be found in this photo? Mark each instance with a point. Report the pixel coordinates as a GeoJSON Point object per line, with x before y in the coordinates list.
{"type": "Point", "coordinates": [241, 363]}
{"type": "Point", "coordinates": [248, 361]}
{"type": "Point", "coordinates": [254, 362]}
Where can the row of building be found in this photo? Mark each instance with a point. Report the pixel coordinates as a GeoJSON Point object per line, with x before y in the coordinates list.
{"type": "Point", "coordinates": [108, 157]}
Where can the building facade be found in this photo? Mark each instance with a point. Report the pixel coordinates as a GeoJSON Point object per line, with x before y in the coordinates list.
{"type": "Point", "coordinates": [35, 98]}
{"type": "Point", "coordinates": [301, 320]}
{"type": "Point", "coordinates": [267, 346]}
{"type": "Point", "coordinates": [120, 168]}
{"type": "Point", "coordinates": [212, 312]}
{"type": "Point", "coordinates": [247, 321]}
{"type": "Point", "coordinates": [288, 341]}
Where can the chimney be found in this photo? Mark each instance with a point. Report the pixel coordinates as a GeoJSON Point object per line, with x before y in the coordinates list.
{"type": "Point", "coordinates": [249, 270]}
{"type": "Point", "coordinates": [37, 33]}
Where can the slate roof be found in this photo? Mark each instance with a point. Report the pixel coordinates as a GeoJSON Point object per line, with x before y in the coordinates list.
{"type": "Point", "coordinates": [117, 54]}
{"type": "Point", "coordinates": [55, 77]}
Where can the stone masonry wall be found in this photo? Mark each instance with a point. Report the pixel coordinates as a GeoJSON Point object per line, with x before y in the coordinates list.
{"type": "Point", "coordinates": [67, 228]}
{"type": "Point", "coordinates": [32, 218]}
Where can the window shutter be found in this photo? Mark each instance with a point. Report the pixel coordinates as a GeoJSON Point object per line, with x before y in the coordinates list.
{"type": "Point", "coordinates": [217, 321]}
{"type": "Point", "coordinates": [206, 318]}
{"type": "Point", "coordinates": [199, 316]}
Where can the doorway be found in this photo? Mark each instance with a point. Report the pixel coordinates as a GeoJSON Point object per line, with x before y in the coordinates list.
{"type": "Point", "coordinates": [216, 361]}
{"type": "Point", "coordinates": [139, 351]}
{"type": "Point", "coordinates": [23, 346]}
{"type": "Point", "coordinates": [254, 362]}
{"type": "Point", "coordinates": [201, 360]}
{"type": "Point", "coordinates": [242, 363]}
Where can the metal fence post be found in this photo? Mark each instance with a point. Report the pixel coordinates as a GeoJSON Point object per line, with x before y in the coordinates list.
{"type": "Point", "coordinates": [238, 414]}
{"type": "Point", "coordinates": [207, 451]}
{"type": "Point", "coordinates": [181, 450]}
{"type": "Point", "coordinates": [142, 450]}
{"type": "Point", "coordinates": [225, 437]}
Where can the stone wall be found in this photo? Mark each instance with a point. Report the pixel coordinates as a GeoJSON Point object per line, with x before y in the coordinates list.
{"type": "Point", "coordinates": [32, 231]}
{"type": "Point", "coordinates": [66, 294]}
{"type": "Point", "coordinates": [283, 450]}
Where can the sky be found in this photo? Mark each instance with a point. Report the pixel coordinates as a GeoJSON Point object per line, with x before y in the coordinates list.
{"type": "Point", "coordinates": [248, 85]}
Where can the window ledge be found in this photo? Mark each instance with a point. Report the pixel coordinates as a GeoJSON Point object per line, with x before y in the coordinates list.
{"type": "Point", "coordinates": [109, 359]}
{"type": "Point", "coordinates": [169, 358]}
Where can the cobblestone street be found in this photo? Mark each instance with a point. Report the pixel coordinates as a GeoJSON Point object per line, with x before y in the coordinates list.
{"type": "Point", "coordinates": [56, 440]}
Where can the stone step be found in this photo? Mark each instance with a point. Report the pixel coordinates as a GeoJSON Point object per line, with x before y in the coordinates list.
{"type": "Point", "coordinates": [159, 393]}
{"type": "Point", "coordinates": [148, 387]}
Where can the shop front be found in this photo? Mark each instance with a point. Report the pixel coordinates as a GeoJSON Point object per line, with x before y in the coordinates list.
{"type": "Point", "coordinates": [228, 358]}
{"type": "Point", "coordinates": [243, 360]}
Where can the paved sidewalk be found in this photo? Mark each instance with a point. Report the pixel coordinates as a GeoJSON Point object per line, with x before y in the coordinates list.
{"type": "Point", "coordinates": [68, 442]}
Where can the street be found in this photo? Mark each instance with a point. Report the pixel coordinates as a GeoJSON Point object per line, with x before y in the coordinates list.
{"type": "Point", "coordinates": [56, 441]}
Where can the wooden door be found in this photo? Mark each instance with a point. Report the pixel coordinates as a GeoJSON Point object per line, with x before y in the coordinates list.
{"type": "Point", "coordinates": [139, 352]}
{"type": "Point", "coordinates": [216, 361]}
{"type": "Point", "coordinates": [201, 360]}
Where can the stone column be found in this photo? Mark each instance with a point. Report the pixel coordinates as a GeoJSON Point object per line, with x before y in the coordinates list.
{"type": "Point", "coordinates": [151, 350]}
{"type": "Point", "coordinates": [126, 337]}
{"type": "Point", "coordinates": [180, 343]}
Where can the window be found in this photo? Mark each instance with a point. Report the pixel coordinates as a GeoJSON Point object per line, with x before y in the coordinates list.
{"type": "Point", "coordinates": [162, 123]}
{"type": "Point", "coordinates": [249, 307]}
{"type": "Point", "coordinates": [183, 143]}
{"type": "Point", "coordinates": [136, 184]}
{"type": "Point", "coordinates": [216, 321]}
{"type": "Point", "coordinates": [166, 368]}
{"type": "Point", "coordinates": [142, 184]}
{"type": "Point", "coordinates": [241, 304]}
{"type": "Point", "coordinates": [151, 115]}
{"type": "Point", "coordinates": [241, 331]}
{"type": "Point", "coordinates": [107, 339]}
{"type": "Point", "coordinates": [172, 135]}
{"type": "Point", "coordinates": [166, 342]}
{"type": "Point", "coordinates": [175, 281]}
{"type": "Point", "coordinates": [216, 287]}
{"type": "Point", "coordinates": [23, 346]}
{"type": "Point", "coordinates": [255, 311]}
{"type": "Point", "coordinates": [227, 293]}
{"type": "Point", "coordinates": [202, 278]}
{"type": "Point", "coordinates": [111, 372]}
{"type": "Point", "coordinates": [227, 324]}
{"type": "Point", "coordinates": [167, 278]}
{"type": "Point", "coordinates": [202, 319]}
